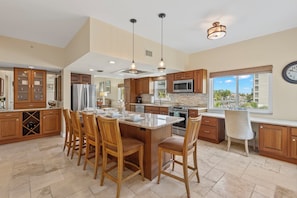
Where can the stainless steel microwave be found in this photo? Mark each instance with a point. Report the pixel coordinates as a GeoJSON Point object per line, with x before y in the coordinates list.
{"type": "Point", "coordinates": [183, 86]}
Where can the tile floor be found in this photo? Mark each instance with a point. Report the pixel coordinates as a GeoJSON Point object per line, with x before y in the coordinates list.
{"type": "Point", "coordinates": [39, 168]}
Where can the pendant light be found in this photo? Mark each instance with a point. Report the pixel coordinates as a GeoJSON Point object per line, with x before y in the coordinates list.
{"type": "Point", "coordinates": [162, 67]}
{"type": "Point", "coordinates": [133, 69]}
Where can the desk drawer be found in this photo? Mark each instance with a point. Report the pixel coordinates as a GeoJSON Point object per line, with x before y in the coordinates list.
{"type": "Point", "coordinates": [208, 132]}
{"type": "Point", "coordinates": [210, 121]}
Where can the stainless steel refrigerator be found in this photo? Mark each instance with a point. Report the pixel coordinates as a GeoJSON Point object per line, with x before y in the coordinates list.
{"type": "Point", "coordinates": [83, 97]}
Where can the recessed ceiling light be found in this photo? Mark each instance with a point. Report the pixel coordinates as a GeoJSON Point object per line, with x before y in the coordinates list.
{"type": "Point", "coordinates": [91, 69]}
{"type": "Point", "coordinates": [111, 62]}
{"type": "Point", "coordinates": [30, 67]}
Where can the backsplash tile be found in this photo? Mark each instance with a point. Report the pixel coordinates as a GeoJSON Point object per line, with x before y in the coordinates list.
{"type": "Point", "coordinates": [189, 99]}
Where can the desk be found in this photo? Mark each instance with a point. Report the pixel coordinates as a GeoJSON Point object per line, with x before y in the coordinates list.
{"type": "Point", "coordinates": [151, 130]}
{"type": "Point", "coordinates": [277, 138]}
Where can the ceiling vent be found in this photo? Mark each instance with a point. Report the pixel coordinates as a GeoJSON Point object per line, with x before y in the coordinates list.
{"type": "Point", "coordinates": [148, 53]}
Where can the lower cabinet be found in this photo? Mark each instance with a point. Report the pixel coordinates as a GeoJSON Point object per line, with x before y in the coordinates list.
{"type": "Point", "coordinates": [152, 109]}
{"type": "Point", "coordinates": [293, 143]}
{"type": "Point", "coordinates": [273, 139]}
{"type": "Point", "coordinates": [51, 121]}
{"type": "Point", "coordinates": [278, 142]}
{"type": "Point", "coordinates": [10, 125]}
{"type": "Point", "coordinates": [26, 125]}
{"type": "Point", "coordinates": [212, 129]}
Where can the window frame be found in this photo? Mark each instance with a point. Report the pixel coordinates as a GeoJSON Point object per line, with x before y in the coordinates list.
{"type": "Point", "coordinates": [253, 70]}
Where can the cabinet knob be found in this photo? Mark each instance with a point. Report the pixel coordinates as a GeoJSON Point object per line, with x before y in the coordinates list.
{"type": "Point", "coordinates": [294, 140]}
{"type": "Point", "coordinates": [261, 127]}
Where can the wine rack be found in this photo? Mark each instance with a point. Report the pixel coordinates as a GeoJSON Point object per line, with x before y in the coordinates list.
{"type": "Point", "coordinates": [31, 123]}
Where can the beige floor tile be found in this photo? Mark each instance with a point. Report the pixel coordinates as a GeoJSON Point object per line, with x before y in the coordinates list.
{"type": "Point", "coordinates": [232, 186]}
{"type": "Point", "coordinates": [39, 168]}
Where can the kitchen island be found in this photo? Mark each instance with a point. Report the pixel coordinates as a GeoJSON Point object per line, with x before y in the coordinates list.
{"type": "Point", "coordinates": [151, 129]}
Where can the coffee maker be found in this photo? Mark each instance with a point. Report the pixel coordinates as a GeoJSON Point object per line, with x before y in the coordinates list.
{"type": "Point", "coordinates": [138, 99]}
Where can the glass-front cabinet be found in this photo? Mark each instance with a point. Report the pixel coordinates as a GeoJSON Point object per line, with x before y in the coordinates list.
{"type": "Point", "coordinates": [29, 88]}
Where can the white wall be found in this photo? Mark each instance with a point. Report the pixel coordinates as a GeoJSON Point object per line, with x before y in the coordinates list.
{"type": "Point", "coordinates": [276, 49]}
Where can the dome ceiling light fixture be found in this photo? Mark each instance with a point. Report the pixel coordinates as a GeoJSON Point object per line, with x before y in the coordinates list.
{"type": "Point", "coordinates": [216, 32]}
{"type": "Point", "coordinates": [162, 67]}
{"type": "Point", "coordinates": [133, 69]}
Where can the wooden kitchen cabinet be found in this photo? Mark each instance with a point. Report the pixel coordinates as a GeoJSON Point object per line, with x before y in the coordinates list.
{"type": "Point", "coordinates": [10, 126]}
{"type": "Point", "coordinates": [152, 109]}
{"type": "Point", "coordinates": [29, 88]}
{"type": "Point", "coordinates": [129, 92]}
{"type": "Point", "coordinates": [200, 79]}
{"type": "Point", "coordinates": [144, 86]}
{"type": "Point", "coordinates": [163, 110]}
{"type": "Point", "coordinates": [273, 140]}
{"type": "Point", "coordinates": [212, 129]}
{"type": "Point", "coordinates": [193, 113]}
{"type": "Point", "coordinates": [293, 143]}
{"type": "Point", "coordinates": [184, 75]}
{"type": "Point", "coordinates": [169, 81]}
{"type": "Point", "coordinates": [80, 78]}
{"type": "Point", "coordinates": [51, 121]}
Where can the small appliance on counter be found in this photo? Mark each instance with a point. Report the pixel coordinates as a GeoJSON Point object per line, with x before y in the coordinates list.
{"type": "Point", "coordinates": [138, 99]}
{"type": "Point", "coordinates": [152, 99]}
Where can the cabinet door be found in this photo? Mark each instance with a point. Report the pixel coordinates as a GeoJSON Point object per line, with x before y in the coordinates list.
{"type": "Point", "coordinates": [293, 143]}
{"type": "Point", "coordinates": [144, 86]}
{"type": "Point", "coordinates": [164, 110]}
{"type": "Point", "coordinates": [200, 81]}
{"type": "Point", "coordinates": [129, 92]}
{"type": "Point", "coordinates": [193, 113]}
{"type": "Point", "coordinates": [169, 79]}
{"type": "Point", "coordinates": [38, 86]}
{"type": "Point", "coordinates": [22, 85]}
{"type": "Point", "coordinates": [10, 126]}
{"type": "Point", "coordinates": [51, 121]}
{"type": "Point", "coordinates": [273, 139]}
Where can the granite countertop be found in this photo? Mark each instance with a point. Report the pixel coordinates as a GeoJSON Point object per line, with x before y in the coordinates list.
{"type": "Point", "coordinates": [290, 123]}
{"type": "Point", "coordinates": [35, 109]}
{"type": "Point", "coordinates": [168, 105]}
{"type": "Point", "coordinates": [150, 104]}
{"type": "Point", "coordinates": [147, 120]}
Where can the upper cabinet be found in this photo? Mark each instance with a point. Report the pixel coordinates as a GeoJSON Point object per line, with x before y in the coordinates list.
{"type": "Point", "coordinates": [129, 92]}
{"type": "Point", "coordinates": [29, 88]}
{"type": "Point", "coordinates": [80, 78]}
{"type": "Point", "coordinates": [169, 79]}
{"type": "Point", "coordinates": [144, 86]}
{"type": "Point", "coordinates": [183, 75]}
{"type": "Point", "coordinates": [199, 77]}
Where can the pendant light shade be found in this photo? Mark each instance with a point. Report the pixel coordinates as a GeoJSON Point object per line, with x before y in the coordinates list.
{"type": "Point", "coordinates": [216, 32]}
{"type": "Point", "coordinates": [133, 69]}
{"type": "Point", "coordinates": [161, 67]}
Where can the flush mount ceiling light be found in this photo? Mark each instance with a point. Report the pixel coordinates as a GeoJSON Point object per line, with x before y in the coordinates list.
{"type": "Point", "coordinates": [216, 32]}
{"type": "Point", "coordinates": [133, 69]}
{"type": "Point", "coordinates": [161, 67]}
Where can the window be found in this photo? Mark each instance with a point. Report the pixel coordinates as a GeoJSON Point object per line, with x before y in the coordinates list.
{"type": "Point", "coordinates": [242, 89]}
{"type": "Point", "coordinates": [160, 92]}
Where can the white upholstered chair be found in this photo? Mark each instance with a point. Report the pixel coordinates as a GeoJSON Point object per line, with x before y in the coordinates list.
{"type": "Point", "coordinates": [238, 126]}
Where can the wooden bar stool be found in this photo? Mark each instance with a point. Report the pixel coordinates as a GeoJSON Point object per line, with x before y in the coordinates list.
{"type": "Point", "coordinates": [119, 147]}
{"type": "Point", "coordinates": [92, 155]}
{"type": "Point", "coordinates": [68, 131]}
{"type": "Point", "coordinates": [182, 147]}
{"type": "Point", "coordinates": [79, 137]}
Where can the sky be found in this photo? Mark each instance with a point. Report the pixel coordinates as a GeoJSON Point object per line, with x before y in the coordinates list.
{"type": "Point", "coordinates": [229, 82]}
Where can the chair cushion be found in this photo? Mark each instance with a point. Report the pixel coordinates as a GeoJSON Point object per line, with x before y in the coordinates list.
{"type": "Point", "coordinates": [173, 143]}
{"type": "Point", "coordinates": [130, 143]}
